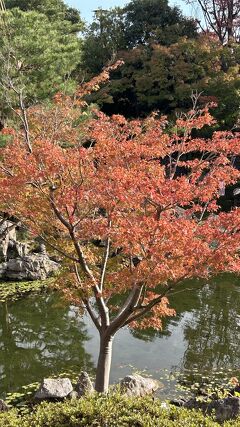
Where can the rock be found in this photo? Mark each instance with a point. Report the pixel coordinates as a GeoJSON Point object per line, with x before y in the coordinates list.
{"type": "Point", "coordinates": [7, 233]}
{"type": "Point", "coordinates": [225, 409]}
{"type": "Point", "coordinates": [84, 385]}
{"type": "Point", "coordinates": [54, 389]}
{"type": "Point", "coordinates": [16, 260]}
{"type": "Point", "coordinates": [3, 406]}
{"type": "Point", "coordinates": [178, 402]}
{"type": "Point", "coordinates": [30, 267]}
{"type": "Point", "coordinates": [222, 409]}
{"type": "Point", "coordinates": [136, 385]}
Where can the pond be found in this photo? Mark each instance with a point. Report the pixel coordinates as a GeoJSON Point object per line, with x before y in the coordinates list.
{"type": "Point", "coordinates": [42, 336]}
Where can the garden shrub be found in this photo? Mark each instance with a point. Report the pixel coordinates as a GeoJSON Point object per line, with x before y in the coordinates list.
{"type": "Point", "coordinates": [109, 411]}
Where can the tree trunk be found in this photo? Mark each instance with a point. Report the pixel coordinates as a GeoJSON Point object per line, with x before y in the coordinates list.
{"type": "Point", "coordinates": [104, 364]}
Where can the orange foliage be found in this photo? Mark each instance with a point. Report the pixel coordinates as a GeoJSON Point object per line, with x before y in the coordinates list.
{"type": "Point", "coordinates": [148, 196]}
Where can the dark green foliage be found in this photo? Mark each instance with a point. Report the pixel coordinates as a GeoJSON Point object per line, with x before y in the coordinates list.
{"type": "Point", "coordinates": [154, 21]}
{"type": "Point", "coordinates": [110, 411]}
{"type": "Point", "coordinates": [103, 39]}
{"type": "Point", "coordinates": [37, 58]}
{"type": "Point", "coordinates": [163, 78]}
{"type": "Point", "coordinates": [141, 22]}
{"type": "Point", "coordinates": [53, 9]}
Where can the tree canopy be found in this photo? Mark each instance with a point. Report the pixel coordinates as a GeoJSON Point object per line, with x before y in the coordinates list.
{"type": "Point", "coordinates": [131, 207]}
{"type": "Point", "coordinates": [53, 9]}
{"type": "Point", "coordinates": [38, 57]}
{"type": "Point", "coordinates": [155, 21]}
{"type": "Point", "coordinates": [162, 78]}
{"type": "Point", "coordinates": [221, 17]}
{"type": "Point", "coordinates": [139, 23]}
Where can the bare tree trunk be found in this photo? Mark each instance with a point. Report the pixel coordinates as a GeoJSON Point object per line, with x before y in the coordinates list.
{"type": "Point", "coordinates": [104, 364]}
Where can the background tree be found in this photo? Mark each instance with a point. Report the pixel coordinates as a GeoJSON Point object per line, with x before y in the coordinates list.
{"type": "Point", "coordinates": [53, 9]}
{"type": "Point", "coordinates": [38, 57]}
{"type": "Point", "coordinates": [154, 21]}
{"type": "Point", "coordinates": [163, 78]}
{"type": "Point", "coordinates": [131, 209]}
{"type": "Point", "coordinates": [140, 22]}
{"type": "Point", "coordinates": [103, 39]}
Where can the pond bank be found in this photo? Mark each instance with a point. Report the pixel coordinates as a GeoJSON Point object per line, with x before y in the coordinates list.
{"type": "Point", "coordinates": [223, 404]}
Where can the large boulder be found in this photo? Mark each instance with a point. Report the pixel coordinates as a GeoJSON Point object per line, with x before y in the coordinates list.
{"type": "Point", "coordinates": [136, 385]}
{"type": "Point", "coordinates": [34, 266]}
{"type": "Point", "coordinates": [17, 261]}
{"type": "Point", "coordinates": [54, 389]}
{"type": "Point", "coordinates": [84, 385]}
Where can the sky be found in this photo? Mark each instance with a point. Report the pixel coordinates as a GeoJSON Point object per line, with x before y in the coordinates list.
{"type": "Point", "coordinates": [86, 7]}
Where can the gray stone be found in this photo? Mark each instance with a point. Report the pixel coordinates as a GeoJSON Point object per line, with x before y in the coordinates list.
{"type": "Point", "coordinates": [7, 234]}
{"type": "Point", "coordinates": [3, 406]}
{"type": "Point", "coordinates": [136, 385]}
{"type": "Point", "coordinates": [222, 409]}
{"type": "Point", "coordinates": [225, 409]}
{"type": "Point", "coordinates": [30, 267]}
{"type": "Point", "coordinates": [16, 260]}
{"type": "Point", "coordinates": [84, 385]}
{"type": "Point", "coordinates": [52, 389]}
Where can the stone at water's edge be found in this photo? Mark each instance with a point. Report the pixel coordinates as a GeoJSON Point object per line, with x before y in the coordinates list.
{"type": "Point", "coordinates": [30, 267]}
{"type": "Point", "coordinates": [222, 409]}
{"type": "Point", "coordinates": [84, 385]}
{"type": "Point", "coordinates": [51, 389]}
{"type": "Point", "coordinates": [136, 385]}
{"type": "Point", "coordinates": [3, 406]}
{"type": "Point", "coordinates": [17, 261]}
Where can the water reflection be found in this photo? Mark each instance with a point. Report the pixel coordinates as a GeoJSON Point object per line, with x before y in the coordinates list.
{"type": "Point", "coordinates": [213, 331]}
{"type": "Point", "coordinates": [38, 337]}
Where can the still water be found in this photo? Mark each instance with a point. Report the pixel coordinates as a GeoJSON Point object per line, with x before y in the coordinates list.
{"type": "Point", "coordinates": [40, 336]}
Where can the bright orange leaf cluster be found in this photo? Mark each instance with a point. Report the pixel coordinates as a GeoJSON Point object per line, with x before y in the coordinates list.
{"type": "Point", "coordinates": [133, 212]}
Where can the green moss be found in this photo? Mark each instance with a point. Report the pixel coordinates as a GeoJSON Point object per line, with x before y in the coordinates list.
{"type": "Point", "coordinates": [109, 411]}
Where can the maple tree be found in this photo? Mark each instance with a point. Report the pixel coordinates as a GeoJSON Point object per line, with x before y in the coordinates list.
{"type": "Point", "coordinates": [221, 17]}
{"type": "Point", "coordinates": [131, 207]}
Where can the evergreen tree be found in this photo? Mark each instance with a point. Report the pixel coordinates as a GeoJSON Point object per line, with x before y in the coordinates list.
{"type": "Point", "coordinates": [37, 58]}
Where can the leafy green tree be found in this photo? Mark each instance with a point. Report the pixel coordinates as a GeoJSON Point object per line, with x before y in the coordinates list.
{"type": "Point", "coordinates": [139, 23]}
{"type": "Point", "coordinates": [154, 21]}
{"type": "Point", "coordinates": [53, 9]}
{"type": "Point", "coordinates": [164, 77]}
{"type": "Point", "coordinates": [37, 58]}
{"type": "Point", "coordinates": [103, 39]}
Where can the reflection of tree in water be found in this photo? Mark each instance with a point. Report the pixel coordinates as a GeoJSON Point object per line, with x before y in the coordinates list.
{"type": "Point", "coordinates": [210, 320]}
{"type": "Point", "coordinates": [183, 298]}
{"type": "Point", "coordinates": [213, 332]}
{"type": "Point", "coordinates": [39, 337]}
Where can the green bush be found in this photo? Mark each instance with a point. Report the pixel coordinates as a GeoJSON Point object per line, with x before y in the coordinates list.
{"type": "Point", "coordinates": [109, 411]}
